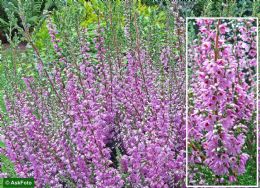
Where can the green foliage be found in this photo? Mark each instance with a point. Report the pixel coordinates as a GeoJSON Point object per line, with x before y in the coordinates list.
{"type": "Point", "coordinates": [41, 37]}
{"type": "Point", "coordinates": [231, 8]}
{"type": "Point", "coordinates": [249, 178]}
{"type": "Point", "coordinates": [7, 166]}
{"type": "Point", "coordinates": [32, 11]}
{"type": "Point", "coordinates": [256, 8]}
{"type": "Point", "coordinates": [93, 9]}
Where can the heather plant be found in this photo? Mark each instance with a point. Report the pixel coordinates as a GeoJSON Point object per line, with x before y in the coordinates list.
{"type": "Point", "coordinates": [222, 107]}
{"type": "Point", "coordinates": [99, 111]}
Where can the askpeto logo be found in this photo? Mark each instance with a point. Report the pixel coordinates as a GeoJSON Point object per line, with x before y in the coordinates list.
{"type": "Point", "coordinates": [18, 183]}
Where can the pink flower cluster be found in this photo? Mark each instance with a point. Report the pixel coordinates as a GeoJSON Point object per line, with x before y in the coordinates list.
{"type": "Point", "coordinates": [106, 124]}
{"type": "Point", "coordinates": [222, 94]}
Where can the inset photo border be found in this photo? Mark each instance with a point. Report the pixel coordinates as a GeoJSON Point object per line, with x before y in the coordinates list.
{"type": "Point", "coordinates": [222, 102]}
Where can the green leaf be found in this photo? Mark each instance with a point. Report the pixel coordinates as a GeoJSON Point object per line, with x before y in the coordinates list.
{"type": "Point", "coordinates": [3, 22]}
{"type": "Point", "coordinates": [2, 145]}
{"type": "Point", "coordinates": [33, 19]}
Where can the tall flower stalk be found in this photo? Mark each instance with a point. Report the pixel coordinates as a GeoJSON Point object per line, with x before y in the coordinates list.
{"type": "Point", "coordinates": [222, 96]}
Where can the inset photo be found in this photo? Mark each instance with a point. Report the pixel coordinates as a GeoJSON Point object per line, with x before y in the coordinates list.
{"type": "Point", "coordinates": [222, 94]}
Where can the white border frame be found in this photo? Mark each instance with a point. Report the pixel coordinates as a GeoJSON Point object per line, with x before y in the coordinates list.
{"type": "Point", "coordinates": [257, 98]}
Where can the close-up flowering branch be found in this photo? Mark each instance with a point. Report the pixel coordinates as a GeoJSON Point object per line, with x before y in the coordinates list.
{"type": "Point", "coordinates": [222, 99]}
